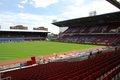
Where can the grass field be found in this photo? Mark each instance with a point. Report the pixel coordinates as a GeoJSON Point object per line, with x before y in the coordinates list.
{"type": "Point", "coordinates": [22, 50]}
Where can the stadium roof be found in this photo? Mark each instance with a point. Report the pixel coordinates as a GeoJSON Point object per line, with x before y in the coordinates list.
{"type": "Point", "coordinates": [115, 3]}
{"type": "Point", "coordinates": [91, 20]}
{"type": "Point", "coordinates": [41, 31]}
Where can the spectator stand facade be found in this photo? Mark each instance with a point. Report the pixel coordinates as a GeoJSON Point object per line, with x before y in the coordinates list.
{"type": "Point", "coordinates": [22, 35]}
{"type": "Point", "coordinates": [98, 29]}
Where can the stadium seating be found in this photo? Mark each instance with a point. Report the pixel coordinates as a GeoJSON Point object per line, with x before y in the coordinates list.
{"type": "Point", "coordinates": [11, 39]}
{"type": "Point", "coordinates": [107, 40]}
{"type": "Point", "coordinates": [115, 74]}
{"type": "Point", "coordinates": [15, 39]}
{"type": "Point", "coordinates": [96, 67]}
{"type": "Point", "coordinates": [102, 34]}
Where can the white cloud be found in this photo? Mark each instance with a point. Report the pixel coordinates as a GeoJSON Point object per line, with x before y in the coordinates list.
{"type": "Point", "coordinates": [31, 20]}
{"type": "Point", "coordinates": [42, 3]}
{"type": "Point", "coordinates": [20, 6]}
{"type": "Point", "coordinates": [80, 8]}
{"type": "Point", "coordinates": [6, 25]}
{"type": "Point", "coordinates": [72, 9]}
{"type": "Point", "coordinates": [24, 1]}
{"type": "Point", "coordinates": [38, 3]}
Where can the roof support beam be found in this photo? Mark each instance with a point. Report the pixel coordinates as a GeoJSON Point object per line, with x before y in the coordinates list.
{"type": "Point", "coordinates": [115, 3]}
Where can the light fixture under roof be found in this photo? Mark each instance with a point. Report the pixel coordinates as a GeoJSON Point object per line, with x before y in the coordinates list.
{"type": "Point", "coordinates": [118, 1]}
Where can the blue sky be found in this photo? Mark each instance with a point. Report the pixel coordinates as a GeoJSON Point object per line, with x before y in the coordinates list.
{"type": "Point", "coordinates": [35, 13]}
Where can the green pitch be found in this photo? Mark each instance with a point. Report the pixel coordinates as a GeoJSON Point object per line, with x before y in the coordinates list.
{"type": "Point", "coordinates": [22, 50]}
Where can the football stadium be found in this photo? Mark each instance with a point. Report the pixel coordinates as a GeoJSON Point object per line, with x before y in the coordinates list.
{"type": "Point", "coordinates": [87, 50]}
